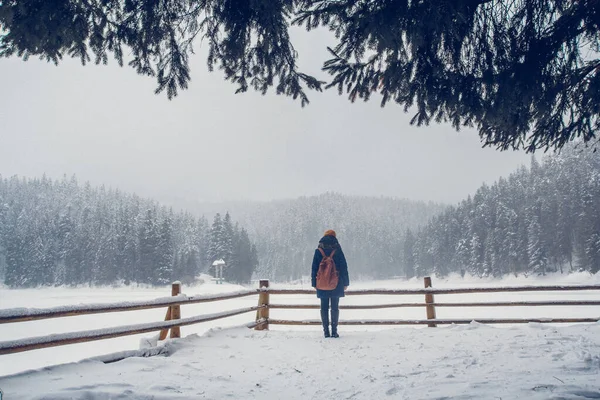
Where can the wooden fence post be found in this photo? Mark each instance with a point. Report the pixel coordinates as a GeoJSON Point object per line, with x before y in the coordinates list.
{"type": "Point", "coordinates": [175, 310]}
{"type": "Point", "coordinates": [163, 333]}
{"type": "Point", "coordinates": [430, 303]}
{"type": "Point", "coordinates": [263, 299]}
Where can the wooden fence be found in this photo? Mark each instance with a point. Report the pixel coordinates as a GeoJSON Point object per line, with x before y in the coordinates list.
{"type": "Point", "coordinates": [173, 320]}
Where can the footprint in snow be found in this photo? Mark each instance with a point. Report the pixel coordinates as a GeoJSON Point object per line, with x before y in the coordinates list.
{"type": "Point", "coordinates": [392, 391]}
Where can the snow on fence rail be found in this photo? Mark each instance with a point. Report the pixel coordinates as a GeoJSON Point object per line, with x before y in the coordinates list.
{"type": "Point", "coordinates": [40, 342]}
{"type": "Point", "coordinates": [431, 290]}
{"type": "Point", "coordinates": [415, 305]}
{"type": "Point", "coordinates": [173, 320]}
{"type": "Point", "coordinates": [32, 314]}
{"type": "Point", "coordinates": [437, 321]}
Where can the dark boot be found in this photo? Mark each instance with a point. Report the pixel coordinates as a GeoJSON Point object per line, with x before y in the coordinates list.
{"type": "Point", "coordinates": [325, 316]}
{"type": "Point", "coordinates": [325, 321]}
{"type": "Point", "coordinates": [335, 316]}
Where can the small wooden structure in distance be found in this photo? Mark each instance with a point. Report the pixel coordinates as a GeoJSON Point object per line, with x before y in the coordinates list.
{"type": "Point", "coordinates": [218, 265]}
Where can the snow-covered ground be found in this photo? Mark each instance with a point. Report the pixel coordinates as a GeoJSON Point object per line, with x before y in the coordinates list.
{"type": "Point", "coordinates": [460, 362]}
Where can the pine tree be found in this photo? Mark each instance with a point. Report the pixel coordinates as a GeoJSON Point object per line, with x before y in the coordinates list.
{"type": "Point", "coordinates": [216, 249]}
{"type": "Point", "coordinates": [235, 261]}
{"type": "Point", "coordinates": [44, 251]}
{"type": "Point", "coordinates": [489, 256]}
{"type": "Point", "coordinates": [83, 259]}
{"type": "Point", "coordinates": [535, 251]}
{"type": "Point", "coordinates": [476, 262]}
{"type": "Point", "coordinates": [3, 233]}
{"type": "Point", "coordinates": [512, 243]}
{"type": "Point", "coordinates": [66, 246]}
{"type": "Point", "coordinates": [165, 251]}
{"type": "Point", "coordinates": [104, 262]}
{"type": "Point", "coordinates": [592, 251]}
{"type": "Point", "coordinates": [228, 237]}
{"type": "Point", "coordinates": [15, 260]}
{"type": "Point", "coordinates": [202, 240]}
{"type": "Point", "coordinates": [149, 242]}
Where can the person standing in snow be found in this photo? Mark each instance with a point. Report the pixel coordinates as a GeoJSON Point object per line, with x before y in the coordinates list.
{"type": "Point", "coordinates": [328, 246]}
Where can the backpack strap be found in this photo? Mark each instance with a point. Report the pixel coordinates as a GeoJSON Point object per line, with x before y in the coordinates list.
{"type": "Point", "coordinates": [323, 253]}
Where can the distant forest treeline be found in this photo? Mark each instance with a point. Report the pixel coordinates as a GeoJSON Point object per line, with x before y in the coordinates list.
{"type": "Point", "coordinates": [538, 220]}
{"type": "Point", "coordinates": [58, 232]}
{"type": "Point", "coordinates": [370, 229]}
{"type": "Point", "coordinates": [542, 219]}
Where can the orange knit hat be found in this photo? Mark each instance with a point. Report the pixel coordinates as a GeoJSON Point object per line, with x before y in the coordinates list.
{"type": "Point", "coordinates": [329, 232]}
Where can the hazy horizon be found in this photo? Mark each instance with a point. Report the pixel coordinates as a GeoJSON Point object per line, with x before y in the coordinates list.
{"type": "Point", "coordinates": [105, 125]}
{"type": "Point", "coordinates": [175, 201]}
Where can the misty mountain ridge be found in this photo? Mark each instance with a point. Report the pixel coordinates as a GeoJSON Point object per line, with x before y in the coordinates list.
{"type": "Point", "coordinates": [245, 207]}
{"type": "Point", "coordinates": [370, 229]}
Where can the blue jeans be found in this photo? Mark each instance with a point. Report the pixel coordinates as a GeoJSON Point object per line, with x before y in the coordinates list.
{"type": "Point", "coordinates": [335, 312]}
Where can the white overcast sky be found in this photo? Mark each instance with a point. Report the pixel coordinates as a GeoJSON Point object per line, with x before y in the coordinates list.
{"type": "Point", "coordinates": [105, 124]}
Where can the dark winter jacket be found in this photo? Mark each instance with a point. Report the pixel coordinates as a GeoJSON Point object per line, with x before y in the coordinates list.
{"type": "Point", "coordinates": [328, 244]}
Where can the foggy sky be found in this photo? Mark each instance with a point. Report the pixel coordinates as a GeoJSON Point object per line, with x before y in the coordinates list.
{"type": "Point", "coordinates": [104, 124]}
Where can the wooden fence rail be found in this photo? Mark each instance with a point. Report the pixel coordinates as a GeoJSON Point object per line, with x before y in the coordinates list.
{"type": "Point", "coordinates": [173, 320]}
{"type": "Point", "coordinates": [439, 321]}
{"type": "Point", "coordinates": [489, 289]}
{"type": "Point", "coordinates": [15, 346]}
{"type": "Point", "coordinates": [32, 314]}
{"type": "Point", "coordinates": [418, 305]}
{"type": "Point", "coordinates": [430, 304]}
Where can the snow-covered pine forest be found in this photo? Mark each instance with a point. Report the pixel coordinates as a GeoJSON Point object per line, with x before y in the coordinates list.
{"type": "Point", "coordinates": [538, 220]}
{"type": "Point", "coordinates": [62, 233]}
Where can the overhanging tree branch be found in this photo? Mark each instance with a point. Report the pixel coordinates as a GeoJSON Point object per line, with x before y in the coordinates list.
{"type": "Point", "coordinates": [512, 69]}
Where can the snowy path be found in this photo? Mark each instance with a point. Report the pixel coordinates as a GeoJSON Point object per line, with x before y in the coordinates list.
{"type": "Point", "coordinates": [458, 362]}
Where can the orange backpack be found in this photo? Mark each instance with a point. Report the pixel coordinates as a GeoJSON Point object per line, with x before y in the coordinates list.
{"type": "Point", "coordinates": [327, 275]}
